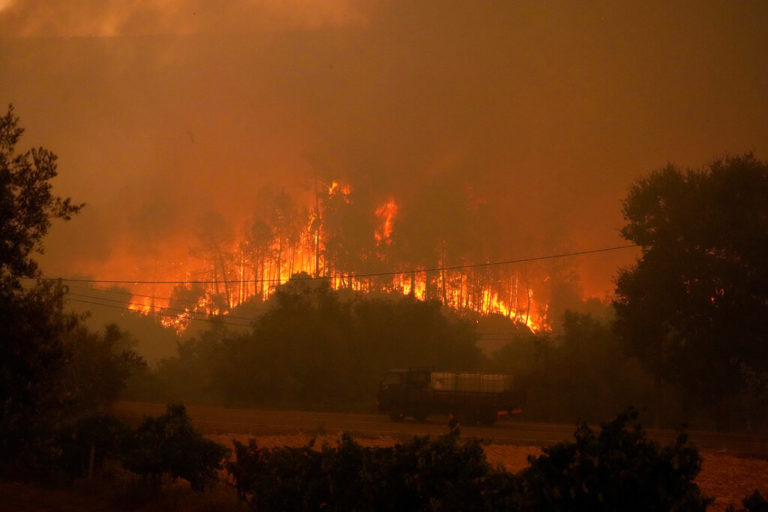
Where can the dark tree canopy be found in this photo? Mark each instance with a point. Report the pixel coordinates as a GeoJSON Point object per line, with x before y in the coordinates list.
{"type": "Point", "coordinates": [33, 324]}
{"type": "Point", "coordinates": [694, 307]}
{"type": "Point", "coordinates": [27, 205]}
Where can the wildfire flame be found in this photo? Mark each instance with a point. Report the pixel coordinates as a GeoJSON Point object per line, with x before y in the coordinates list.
{"type": "Point", "coordinates": [243, 269]}
{"type": "Point", "coordinates": [386, 213]}
{"type": "Point", "coordinates": [336, 188]}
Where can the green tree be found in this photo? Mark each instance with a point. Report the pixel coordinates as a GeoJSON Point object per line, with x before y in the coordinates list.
{"type": "Point", "coordinates": [694, 307]}
{"type": "Point", "coordinates": [33, 324]}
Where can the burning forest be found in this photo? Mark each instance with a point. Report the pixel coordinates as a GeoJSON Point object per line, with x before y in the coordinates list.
{"type": "Point", "coordinates": [335, 236]}
{"type": "Point", "coordinates": [460, 216]}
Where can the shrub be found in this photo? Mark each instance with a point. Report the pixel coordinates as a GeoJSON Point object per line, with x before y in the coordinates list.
{"type": "Point", "coordinates": [752, 503]}
{"type": "Point", "coordinates": [440, 474]}
{"type": "Point", "coordinates": [170, 445]}
{"type": "Point", "coordinates": [617, 469]}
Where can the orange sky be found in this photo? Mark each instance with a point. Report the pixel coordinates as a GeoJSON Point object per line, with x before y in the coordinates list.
{"type": "Point", "coordinates": [163, 111]}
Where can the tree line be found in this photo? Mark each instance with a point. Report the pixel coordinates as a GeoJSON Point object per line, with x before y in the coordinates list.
{"type": "Point", "coordinates": [343, 236]}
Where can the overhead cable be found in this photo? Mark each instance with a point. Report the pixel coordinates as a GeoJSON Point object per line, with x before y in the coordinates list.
{"type": "Point", "coordinates": [358, 276]}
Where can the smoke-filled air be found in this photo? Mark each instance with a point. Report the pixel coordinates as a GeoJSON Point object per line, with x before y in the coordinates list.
{"type": "Point", "coordinates": [484, 212]}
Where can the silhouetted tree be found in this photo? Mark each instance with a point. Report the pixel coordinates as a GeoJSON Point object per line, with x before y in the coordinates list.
{"type": "Point", "coordinates": [98, 368]}
{"type": "Point", "coordinates": [617, 468]}
{"type": "Point", "coordinates": [215, 237]}
{"type": "Point", "coordinates": [284, 218]}
{"type": "Point", "coordinates": [435, 229]}
{"type": "Point", "coordinates": [169, 444]}
{"type": "Point", "coordinates": [694, 307]}
{"type": "Point", "coordinates": [348, 223]}
{"type": "Point", "coordinates": [33, 325]}
{"type": "Point", "coordinates": [319, 348]}
{"type": "Point", "coordinates": [580, 373]}
{"type": "Point", "coordinates": [258, 238]}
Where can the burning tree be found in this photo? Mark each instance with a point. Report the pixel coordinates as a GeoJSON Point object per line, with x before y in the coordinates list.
{"type": "Point", "coordinates": [358, 240]}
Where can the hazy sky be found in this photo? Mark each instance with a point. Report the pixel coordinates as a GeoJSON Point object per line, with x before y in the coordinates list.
{"type": "Point", "coordinates": [163, 110]}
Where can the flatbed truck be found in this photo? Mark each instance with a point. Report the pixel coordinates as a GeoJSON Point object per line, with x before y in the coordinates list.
{"type": "Point", "coordinates": [472, 397]}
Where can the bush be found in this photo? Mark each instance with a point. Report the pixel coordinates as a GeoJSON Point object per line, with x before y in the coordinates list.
{"type": "Point", "coordinates": [440, 474]}
{"type": "Point", "coordinates": [617, 469]}
{"type": "Point", "coordinates": [170, 445]}
{"type": "Point", "coordinates": [752, 503]}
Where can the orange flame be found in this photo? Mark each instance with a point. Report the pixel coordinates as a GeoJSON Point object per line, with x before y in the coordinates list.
{"type": "Point", "coordinates": [238, 272]}
{"type": "Point", "coordinates": [386, 213]}
{"type": "Point", "coordinates": [336, 188]}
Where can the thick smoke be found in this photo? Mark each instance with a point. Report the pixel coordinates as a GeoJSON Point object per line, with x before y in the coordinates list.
{"type": "Point", "coordinates": [510, 129]}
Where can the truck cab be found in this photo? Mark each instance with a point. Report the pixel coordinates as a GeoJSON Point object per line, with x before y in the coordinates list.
{"type": "Point", "coordinates": [405, 392]}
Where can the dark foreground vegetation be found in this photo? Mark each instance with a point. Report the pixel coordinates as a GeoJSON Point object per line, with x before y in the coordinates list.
{"type": "Point", "coordinates": [616, 468]}
{"type": "Point", "coordinates": [167, 445]}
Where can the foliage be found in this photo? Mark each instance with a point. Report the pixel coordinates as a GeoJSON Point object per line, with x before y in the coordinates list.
{"type": "Point", "coordinates": [33, 325]}
{"type": "Point", "coordinates": [169, 444]}
{"type": "Point", "coordinates": [440, 474]}
{"type": "Point", "coordinates": [26, 203]}
{"type": "Point", "coordinates": [695, 305]}
{"type": "Point", "coordinates": [580, 373]}
{"type": "Point", "coordinates": [615, 469]}
{"type": "Point", "coordinates": [103, 436]}
{"type": "Point", "coordinates": [98, 369]}
{"type": "Point", "coordinates": [191, 375]}
{"type": "Point", "coordinates": [752, 503]}
{"type": "Point", "coordinates": [317, 348]}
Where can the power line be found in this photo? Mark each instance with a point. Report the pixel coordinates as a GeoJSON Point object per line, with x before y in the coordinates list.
{"type": "Point", "coordinates": [169, 310]}
{"type": "Point", "coordinates": [223, 319]}
{"type": "Point", "coordinates": [159, 313]}
{"type": "Point", "coordinates": [119, 291]}
{"type": "Point", "coordinates": [358, 276]}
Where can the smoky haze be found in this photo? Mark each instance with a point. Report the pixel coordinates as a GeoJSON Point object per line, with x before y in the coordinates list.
{"type": "Point", "coordinates": [517, 127]}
